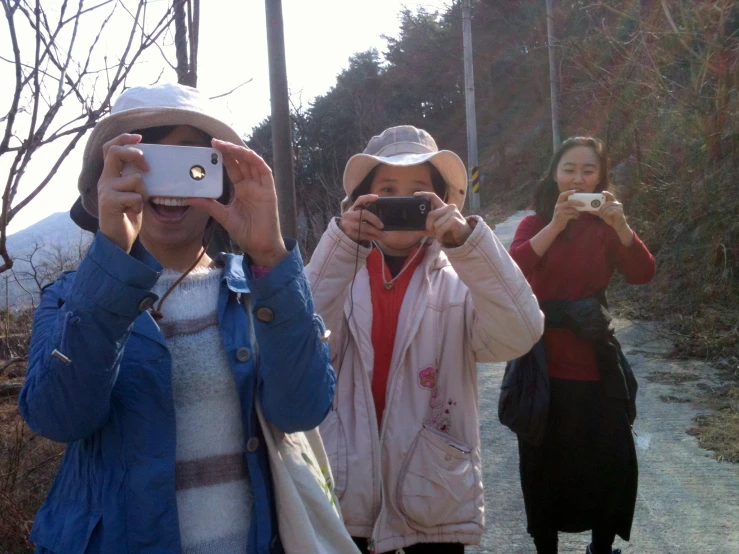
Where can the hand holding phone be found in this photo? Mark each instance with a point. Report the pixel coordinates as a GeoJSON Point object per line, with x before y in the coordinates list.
{"type": "Point", "coordinates": [121, 199]}
{"type": "Point", "coordinates": [180, 171]}
{"type": "Point", "coordinates": [445, 222]}
{"type": "Point", "coordinates": [252, 217]}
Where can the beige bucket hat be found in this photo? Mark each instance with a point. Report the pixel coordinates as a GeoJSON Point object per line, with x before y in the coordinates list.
{"type": "Point", "coordinates": [406, 145]}
{"type": "Point", "coordinates": [141, 108]}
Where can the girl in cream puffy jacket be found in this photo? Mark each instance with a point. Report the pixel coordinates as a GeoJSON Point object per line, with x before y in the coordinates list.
{"type": "Point", "coordinates": [411, 313]}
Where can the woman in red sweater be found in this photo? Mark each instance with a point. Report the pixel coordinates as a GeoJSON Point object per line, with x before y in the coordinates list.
{"type": "Point", "coordinates": [584, 474]}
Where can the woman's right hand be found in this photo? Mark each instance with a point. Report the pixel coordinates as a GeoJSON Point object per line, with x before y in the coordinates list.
{"type": "Point", "coordinates": [121, 199]}
{"type": "Point", "coordinates": [564, 211]}
{"type": "Point", "coordinates": [359, 224]}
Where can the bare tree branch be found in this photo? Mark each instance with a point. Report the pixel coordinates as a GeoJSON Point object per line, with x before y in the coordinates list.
{"type": "Point", "coordinates": [43, 86]}
{"type": "Point", "coordinates": [232, 90]}
{"type": "Point", "coordinates": [88, 10]}
{"type": "Point", "coordinates": [17, 93]}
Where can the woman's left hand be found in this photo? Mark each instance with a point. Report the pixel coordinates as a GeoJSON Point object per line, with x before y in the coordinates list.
{"type": "Point", "coordinates": [445, 222]}
{"type": "Point", "coordinates": [612, 212]}
{"type": "Point", "coordinates": [251, 218]}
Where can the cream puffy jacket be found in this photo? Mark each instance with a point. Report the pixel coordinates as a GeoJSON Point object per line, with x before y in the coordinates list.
{"type": "Point", "coordinates": [419, 478]}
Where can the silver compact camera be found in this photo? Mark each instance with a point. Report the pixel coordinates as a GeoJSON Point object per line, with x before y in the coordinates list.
{"type": "Point", "coordinates": [591, 202]}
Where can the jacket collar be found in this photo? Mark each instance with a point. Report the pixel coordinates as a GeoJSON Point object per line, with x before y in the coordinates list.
{"type": "Point", "coordinates": [233, 272]}
{"type": "Point", "coordinates": [233, 276]}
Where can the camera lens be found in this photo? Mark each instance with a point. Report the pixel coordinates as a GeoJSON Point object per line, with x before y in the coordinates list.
{"type": "Point", "coordinates": [197, 172]}
{"type": "Point", "coordinates": [595, 203]}
{"type": "Point", "coordinates": [214, 158]}
{"type": "Point", "coordinates": [422, 207]}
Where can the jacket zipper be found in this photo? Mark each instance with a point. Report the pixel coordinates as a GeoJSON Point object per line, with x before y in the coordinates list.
{"type": "Point", "coordinates": [376, 440]}
{"type": "Point", "coordinates": [377, 433]}
{"type": "Point", "coordinates": [390, 387]}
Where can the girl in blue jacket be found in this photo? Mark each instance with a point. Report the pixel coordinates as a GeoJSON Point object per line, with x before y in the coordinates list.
{"type": "Point", "coordinates": [148, 361]}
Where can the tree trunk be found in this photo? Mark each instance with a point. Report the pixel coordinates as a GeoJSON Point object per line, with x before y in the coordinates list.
{"type": "Point", "coordinates": [184, 74]}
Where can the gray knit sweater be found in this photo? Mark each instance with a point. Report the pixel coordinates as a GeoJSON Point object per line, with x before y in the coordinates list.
{"type": "Point", "coordinates": [214, 500]}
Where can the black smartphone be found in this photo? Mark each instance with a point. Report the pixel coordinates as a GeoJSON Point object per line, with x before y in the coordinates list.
{"type": "Point", "coordinates": [402, 213]}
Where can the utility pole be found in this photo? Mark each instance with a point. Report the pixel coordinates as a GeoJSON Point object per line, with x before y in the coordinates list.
{"type": "Point", "coordinates": [281, 124]}
{"type": "Point", "coordinates": [7, 318]}
{"type": "Point", "coordinates": [553, 77]}
{"type": "Point", "coordinates": [473, 187]}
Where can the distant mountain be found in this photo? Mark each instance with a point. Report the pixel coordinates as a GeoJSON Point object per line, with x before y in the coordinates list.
{"type": "Point", "coordinates": [58, 240]}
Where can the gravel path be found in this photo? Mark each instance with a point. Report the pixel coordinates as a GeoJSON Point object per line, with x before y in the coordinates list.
{"type": "Point", "coordinates": [687, 501]}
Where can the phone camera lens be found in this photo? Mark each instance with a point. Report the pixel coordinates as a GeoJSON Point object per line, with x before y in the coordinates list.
{"type": "Point", "coordinates": [197, 172]}
{"type": "Point", "coordinates": [422, 207]}
{"type": "Point", "coordinates": [214, 159]}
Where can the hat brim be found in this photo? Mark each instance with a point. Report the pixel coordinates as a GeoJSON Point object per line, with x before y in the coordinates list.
{"type": "Point", "coordinates": [131, 120]}
{"type": "Point", "coordinates": [449, 165]}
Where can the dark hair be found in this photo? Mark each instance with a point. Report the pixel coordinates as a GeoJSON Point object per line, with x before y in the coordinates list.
{"type": "Point", "coordinates": [437, 181]}
{"type": "Point", "coordinates": [547, 192]}
{"type": "Point", "coordinates": [152, 135]}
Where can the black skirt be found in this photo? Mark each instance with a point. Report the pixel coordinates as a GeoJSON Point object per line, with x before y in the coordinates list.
{"type": "Point", "coordinates": [585, 473]}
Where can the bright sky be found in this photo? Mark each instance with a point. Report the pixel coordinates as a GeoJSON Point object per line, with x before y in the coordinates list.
{"type": "Point", "coordinates": [320, 36]}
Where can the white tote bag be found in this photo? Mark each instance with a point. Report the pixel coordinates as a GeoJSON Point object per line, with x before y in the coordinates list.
{"type": "Point", "coordinates": [308, 512]}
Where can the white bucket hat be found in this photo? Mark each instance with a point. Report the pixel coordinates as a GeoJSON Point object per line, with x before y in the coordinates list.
{"type": "Point", "coordinates": [406, 145]}
{"type": "Point", "coordinates": [140, 108]}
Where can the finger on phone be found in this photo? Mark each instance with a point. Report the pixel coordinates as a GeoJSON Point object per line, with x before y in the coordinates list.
{"type": "Point", "coordinates": [118, 156]}
{"type": "Point", "coordinates": [130, 201]}
{"type": "Point", "coordinates": [571, 204]}
{"type": "Point", "coordinates": [121, 140]}
{"type": "Point", "coordinates": [443, 220]}
{"type": "Point", "coordinates": [435, 215]}
{"type": "Point", "coordinates": [233, 168]}
{"type": "Point", "coordinates": [436, 202]}
{"type": "Point", "coordinates": [371, 218]}
{"type": "Point", "coordinates": [251, 163]}
{"type": "Point", "coordinates": [370, 233]}
{"type": "Point", "coordinates": [130, 183]}
{"type": "Point", "coordinates": [563, 197]}
{"type": "Point", "coordinates": [362, 201]}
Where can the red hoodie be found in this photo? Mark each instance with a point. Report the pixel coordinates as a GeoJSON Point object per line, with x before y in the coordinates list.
{"type": "Point", "coordinates": [386, 304]}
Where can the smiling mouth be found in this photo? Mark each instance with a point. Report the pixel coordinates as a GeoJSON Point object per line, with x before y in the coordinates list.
{"type": "Point", "coordinates": [169, 210]}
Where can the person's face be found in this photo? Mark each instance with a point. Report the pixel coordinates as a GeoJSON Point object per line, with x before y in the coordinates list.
{"type": "Point", "coordinates": [578, 169]}
{"type": "Point", "coordinates": [168, 222]}
{"type": "Point", "coordinates": [391, 181]}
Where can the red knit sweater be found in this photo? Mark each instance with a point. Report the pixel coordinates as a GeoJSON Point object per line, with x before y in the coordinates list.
{"type": "Point", "coordinates": [386, 304]}
{"type": "Point", "coordinates": [580, 261]}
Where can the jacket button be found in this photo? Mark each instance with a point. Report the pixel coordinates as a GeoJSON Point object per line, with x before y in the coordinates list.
{"type": "Point", "coordinates": [243, 354]}
{"type": "Point", "coordinates": [265, 314]}
{"type": "Point", "coordinates": [146, 303]}
{"type": "Point", "coordinates": [252, 444]}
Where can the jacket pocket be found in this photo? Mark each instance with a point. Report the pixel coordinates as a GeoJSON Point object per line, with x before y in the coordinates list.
{"type": "Point", "coordinates": [64, 529]}
{"type": "Point", "coordinates": [334, 441]}
{"type": "Point", "coordinates": [438, 483]}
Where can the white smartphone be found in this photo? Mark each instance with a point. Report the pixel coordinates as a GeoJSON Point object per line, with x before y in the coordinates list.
{"type": "Point", "coordinates": [180, 171]}
{"type": "Point", "coordinates": [591, 201]}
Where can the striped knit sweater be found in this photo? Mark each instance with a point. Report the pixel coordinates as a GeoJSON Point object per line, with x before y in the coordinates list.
{"type": "Point", "coordinates": [214, 500]}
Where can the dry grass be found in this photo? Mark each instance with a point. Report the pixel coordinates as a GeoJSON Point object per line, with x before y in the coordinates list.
{"type": "Point", "coordinates": [719, 432]}
{"type": "Point", "coordinates": [28, 464]}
